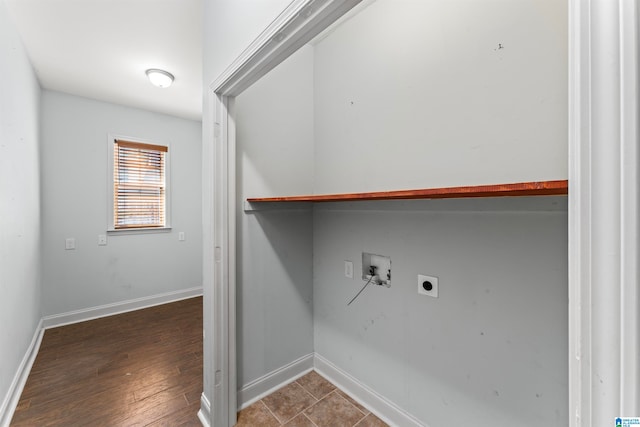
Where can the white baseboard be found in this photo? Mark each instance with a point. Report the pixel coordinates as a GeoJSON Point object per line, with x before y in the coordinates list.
{"type": "Point", "coordinates": [377, 404]}
{"type": "Point", "coordinates": [91, 313]}
{"type": "Point", "coordinates": [272, 381]}
{"type": "Point", "coordinates": [204, 414]}
{"type": "Point", "coordinates": [20, 379]}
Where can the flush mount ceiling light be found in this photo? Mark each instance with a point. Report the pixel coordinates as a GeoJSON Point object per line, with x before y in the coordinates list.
{"type": "Point", "coordinates": [159, 78]}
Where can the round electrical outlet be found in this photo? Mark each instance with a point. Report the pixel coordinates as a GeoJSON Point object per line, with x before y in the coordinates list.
{"type": "Point", "coordinates": [428, 285]}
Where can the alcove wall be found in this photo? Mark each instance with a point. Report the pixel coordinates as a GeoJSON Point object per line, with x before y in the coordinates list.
{"type": "Point", "coordinates": [414, 95]}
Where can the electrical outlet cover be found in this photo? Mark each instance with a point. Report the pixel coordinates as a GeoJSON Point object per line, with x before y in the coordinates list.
{"type": "Point", "coordinates": [348, 269]}
{"type": "Point", "coordinates": [422, 290]}
{"type": "Point", "coordinates": [69, 243]}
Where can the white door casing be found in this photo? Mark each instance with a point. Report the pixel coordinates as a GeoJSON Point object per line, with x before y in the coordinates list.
{"type": "Point", "coordinates": [604, 333]}
{"type": "Point", "coordinates": [292, 29]}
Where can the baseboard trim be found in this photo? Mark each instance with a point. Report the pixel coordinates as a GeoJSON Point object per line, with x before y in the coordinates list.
{"type": "Point", "coordinates": [10, 401]}
{"type": "Point", "coordinates": [272, 381]}
{"type": "Point", "coordinates": [377, 404]}
{"type": "Point", "coordinates": [91, 313]}
{"type": "Point", "coordinates": [204, 414]}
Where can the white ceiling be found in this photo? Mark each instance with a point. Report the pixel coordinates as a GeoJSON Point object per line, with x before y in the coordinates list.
{"type": "Point", "coordinates": [100, 49]}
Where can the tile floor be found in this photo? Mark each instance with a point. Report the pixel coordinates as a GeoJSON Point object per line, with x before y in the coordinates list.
{"type": "Point", "coordinates": [310, 401]}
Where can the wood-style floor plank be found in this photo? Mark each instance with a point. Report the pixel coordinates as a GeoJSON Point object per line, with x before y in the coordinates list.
{"type": "Point", "coordinates": [134, 369]}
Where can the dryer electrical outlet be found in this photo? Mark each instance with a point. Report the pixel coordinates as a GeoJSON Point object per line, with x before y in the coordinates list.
{"type": "Point", "coordinates": [428, 285]}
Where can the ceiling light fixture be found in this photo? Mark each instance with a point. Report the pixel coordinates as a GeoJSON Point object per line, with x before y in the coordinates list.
{"type": "Point", "coordinates": [159, 78]}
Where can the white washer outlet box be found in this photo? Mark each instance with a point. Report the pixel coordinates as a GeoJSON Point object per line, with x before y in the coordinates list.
{"type": "Point", "coordinates": [428, 285]}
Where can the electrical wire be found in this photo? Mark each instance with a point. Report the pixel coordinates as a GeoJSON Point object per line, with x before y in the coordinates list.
{"type": "Point", "coordinates": [358, 294]}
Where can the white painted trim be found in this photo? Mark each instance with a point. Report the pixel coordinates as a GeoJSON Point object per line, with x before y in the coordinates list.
{"type": "Point", "coordinates": [219, 270]}
{"type": "Point", "coordinates": [301, 21]}
{"type": "Point", "coordinates": [296, 25]}
{"type": "Point", "coordinates": [381, 407]}
{"type": "Point", "coordinates": [91, 313]}
{"type": "Point", "coordinates": [231, 376]}
{"type": "Point", "coordinates": [211, 314]}
{"type": "Point", "coordinates": [204, 414]}
{"type": "Point", "coordinates": [578, 202]}
{"type": "Point", "coordinates": [604, 325]}
{"type": "Point", "coordinates": [130, 231]}
{"type": "Point", "coordinates": [272, 381]}
{"type": "Point", "coordinates": [374, 402]}
{"type": "Point", "coordinates": [630, 210]}
{"type": "Point", "coordinates": [12, 397]}
{"type": "Point", "coordinates": [219, 259]}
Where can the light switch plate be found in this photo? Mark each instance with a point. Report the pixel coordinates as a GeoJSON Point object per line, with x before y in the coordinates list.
{"type": "Point", "coordinates": [102, 240]}
{"type": "Point", "coordinates": [69, 243]}
{"type": "Point", "coordinates": [348, 269]}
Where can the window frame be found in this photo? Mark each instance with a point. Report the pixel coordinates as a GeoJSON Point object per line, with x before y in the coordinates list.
{"type": "Point", "coordinates": [111, 229]}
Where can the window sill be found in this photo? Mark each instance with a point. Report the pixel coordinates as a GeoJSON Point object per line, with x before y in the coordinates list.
{"type": "Point", "coordinates": [127, 231]}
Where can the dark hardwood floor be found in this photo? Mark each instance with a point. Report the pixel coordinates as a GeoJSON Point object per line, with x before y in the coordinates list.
{"type": "Point", "coordinates": [142, 368]}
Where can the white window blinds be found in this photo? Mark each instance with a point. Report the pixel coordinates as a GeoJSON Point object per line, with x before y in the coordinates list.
{"type": "Point", "coordinates": [139, 185]}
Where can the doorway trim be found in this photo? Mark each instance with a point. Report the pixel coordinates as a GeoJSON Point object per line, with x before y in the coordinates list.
{"type": "Point", "coordinates": [300, 22]}
{"type": "Point", "coordinates": [604, 294]}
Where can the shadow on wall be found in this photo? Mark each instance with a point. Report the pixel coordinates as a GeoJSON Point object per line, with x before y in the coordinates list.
{"type": "Point", "coordinates": [274, 289]}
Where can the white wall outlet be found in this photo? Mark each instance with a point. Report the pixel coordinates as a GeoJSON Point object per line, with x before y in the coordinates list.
{"type": "Point", "coordinates": [102, 240]}
{"type": "Point", "coordinates": [348, 269]}
{"type": "Point", "coordinates": [181, 236]}
{"type": "Point", "coordinates": [69, 243]}
{"type": "Point", "coordinates": [428, 285]}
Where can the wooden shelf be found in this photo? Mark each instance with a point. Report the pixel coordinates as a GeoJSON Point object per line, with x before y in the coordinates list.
{"type": "Point", "coordinates": [542, 188]}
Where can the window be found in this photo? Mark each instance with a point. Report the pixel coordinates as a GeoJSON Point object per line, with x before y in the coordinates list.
{"type": "Point", "coordinates": [140, 190]}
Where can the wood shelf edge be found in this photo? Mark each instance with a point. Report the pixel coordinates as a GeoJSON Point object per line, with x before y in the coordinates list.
{"type": "Point", "coordinates": [538, 188]}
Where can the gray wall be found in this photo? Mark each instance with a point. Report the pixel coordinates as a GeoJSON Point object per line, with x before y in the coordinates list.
{"type": "Point", "coordinates": [20, 291]}
{"type": "Point", "coordinates": [492, 349]}
{"type": "Point", "coordinates": [274, 276]}
{"type": "Point", "coordinates": [433, 101]}
{"type": "Point", "coordinates": [450, 93]}
{"type": "Point", "coordinates": [76, 204]}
